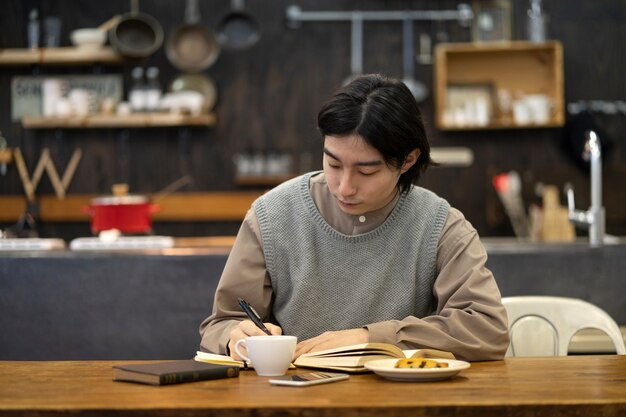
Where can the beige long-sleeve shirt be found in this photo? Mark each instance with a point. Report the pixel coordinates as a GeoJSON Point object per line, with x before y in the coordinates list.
{"type": "Point", "coordinates": [470, 320]}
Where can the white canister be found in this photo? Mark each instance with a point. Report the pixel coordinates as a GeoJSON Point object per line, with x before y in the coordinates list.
{"type": "Point", "coordinates": [52, 90]}
{"type": "Point", "coordinates": [521, 112]}
{"type": "Point", "coordinates": [540, 107]}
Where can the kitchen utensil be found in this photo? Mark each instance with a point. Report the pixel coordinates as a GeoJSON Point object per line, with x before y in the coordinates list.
{"type": "Point", "coordinates": [417, 88]}
{"type": "Point", "coordinates": [200, 83]}
{"type": "Point", "coordinates": [93, 38]}
{"type": "Point", "coordinates": [356, 48]}
{"type": "Point", "coordinates": [386, 369]}
{"type": "Point", "coordinates": [192, 47]}
{"type": "Point", "coordinates": [509, 189]}
{"type": "Point", "coordinates": [26, 225]}
{"type": "Point", "coordinates": [173, 187]}
{"type": "Point", "coordinates": [128, 213]}
{"type": "Point", "coordinates": [136, 35]}
{"type": "Point", "coordinates": [183, 102]}
{"type": "Point", "coordinates": [556, 226]}
{"type": "Point", "coordinates": [238, 30]}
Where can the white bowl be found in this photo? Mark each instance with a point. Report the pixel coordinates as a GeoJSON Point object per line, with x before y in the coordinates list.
{"type": "Point", "coordinates": [88, 38]}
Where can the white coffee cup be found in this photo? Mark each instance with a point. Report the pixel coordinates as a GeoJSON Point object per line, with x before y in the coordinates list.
{"type": "Point", "coordinates": [270, 355]}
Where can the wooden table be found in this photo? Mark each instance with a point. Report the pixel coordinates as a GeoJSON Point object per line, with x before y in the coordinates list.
{"type": "Point", "coordinates": [564, 386]}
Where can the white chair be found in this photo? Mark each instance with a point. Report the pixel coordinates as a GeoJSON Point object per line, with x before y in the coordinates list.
{"type": "Point", "coordinates": [544, 326]}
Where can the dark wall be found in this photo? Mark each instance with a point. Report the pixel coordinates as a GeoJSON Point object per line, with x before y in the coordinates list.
{"type": "Point", "coordinates": [269, 95]}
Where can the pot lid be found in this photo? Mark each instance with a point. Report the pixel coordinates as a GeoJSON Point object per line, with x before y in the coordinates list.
{"type": "Point", "coordinates": [122, 199]}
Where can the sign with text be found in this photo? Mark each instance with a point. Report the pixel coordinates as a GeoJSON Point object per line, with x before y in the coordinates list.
{"type": "Point", "coordinates": [27, 97]}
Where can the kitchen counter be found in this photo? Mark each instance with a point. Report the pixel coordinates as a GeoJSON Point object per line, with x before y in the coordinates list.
{"type": "Point", "coordinates": [148, 304]}
{"type": "Point", "coordinates": [140, 304]}
{"type": "Point", "coordinates": [568, 270]}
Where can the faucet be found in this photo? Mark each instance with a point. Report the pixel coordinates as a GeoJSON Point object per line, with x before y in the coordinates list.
{"type": "Point", "coordinates": [594, 218]}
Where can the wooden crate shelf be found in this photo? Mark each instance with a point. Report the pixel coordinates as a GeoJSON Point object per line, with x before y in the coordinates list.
{"type": "Point", "coordinates": [517, 67]}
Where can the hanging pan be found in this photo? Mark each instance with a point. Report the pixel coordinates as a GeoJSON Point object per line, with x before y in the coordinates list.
{"type": "Point", "coordinates": [238, 30]}
{"type": "Point", "coordinates": [136, 35]}
{"type": "Point", "coordinates": [192, 47]}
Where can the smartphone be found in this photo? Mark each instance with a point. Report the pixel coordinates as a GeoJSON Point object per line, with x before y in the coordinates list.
{"type": "Point", "coordinates": [309, 378]}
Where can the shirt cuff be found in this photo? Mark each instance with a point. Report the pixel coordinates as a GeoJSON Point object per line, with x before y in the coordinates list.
{"type": "Point", "coordinates": [382, 332]}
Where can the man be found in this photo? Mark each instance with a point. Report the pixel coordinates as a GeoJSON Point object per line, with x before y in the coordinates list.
{"type": "Point", "coordinates": [357, 253]}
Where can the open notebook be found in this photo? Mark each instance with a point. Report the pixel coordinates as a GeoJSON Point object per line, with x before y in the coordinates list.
{"type": "Point", "coordinates": [224, 360]}
{"type": "Point", "coordinates": [353, 358]}
{"type": "Point", "coordinates": [220, 359]}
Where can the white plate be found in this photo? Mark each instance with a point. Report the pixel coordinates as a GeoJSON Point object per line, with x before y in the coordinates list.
{"type": "Point", "coordinates": [386, 369]}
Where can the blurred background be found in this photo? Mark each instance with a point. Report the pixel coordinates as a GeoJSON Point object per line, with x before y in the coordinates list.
{"type": "Point", "coordinates": [257, 124]}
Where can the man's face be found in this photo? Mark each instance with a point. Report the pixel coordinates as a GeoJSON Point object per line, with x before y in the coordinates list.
{"type": "Point", "coordinates": [358, 176]}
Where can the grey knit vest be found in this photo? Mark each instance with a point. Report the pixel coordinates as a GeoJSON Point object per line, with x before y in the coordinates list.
{"type": "Point", "coordinates": [325, 280]}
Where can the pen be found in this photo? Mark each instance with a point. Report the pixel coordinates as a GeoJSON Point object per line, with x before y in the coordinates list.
{"type": "Point", "coordinates": [247, 308]}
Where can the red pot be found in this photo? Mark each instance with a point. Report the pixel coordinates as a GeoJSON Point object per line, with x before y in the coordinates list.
{"type": "Point", "coordinates": [128, 214]}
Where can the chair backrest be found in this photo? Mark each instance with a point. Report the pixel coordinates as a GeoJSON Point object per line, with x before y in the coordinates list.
{"type": "Point", "coordinates": [544, 325]}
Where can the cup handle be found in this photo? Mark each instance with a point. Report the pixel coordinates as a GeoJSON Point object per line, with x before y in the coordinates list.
{"type": "Point", "coordinates": [244, 357]}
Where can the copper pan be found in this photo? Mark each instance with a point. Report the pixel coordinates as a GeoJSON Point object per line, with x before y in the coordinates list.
{"type": "Point", "coordinates": [192, 47]}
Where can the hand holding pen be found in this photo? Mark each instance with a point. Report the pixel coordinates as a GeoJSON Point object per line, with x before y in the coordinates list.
{"type": "Point", "coordinates": [254, 316]}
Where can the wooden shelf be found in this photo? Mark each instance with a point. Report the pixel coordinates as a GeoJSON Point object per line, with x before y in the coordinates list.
{"type": "Point", "coordinates": [499, 124]}
{"type": "Point", "coordinates": [138, 120]}
{"type": "Point", "coordinates": [59, 56]}
{"type": "Point", "coordinates": [517, 67]}
{"type": "Point", "coordinates": [207, 206]}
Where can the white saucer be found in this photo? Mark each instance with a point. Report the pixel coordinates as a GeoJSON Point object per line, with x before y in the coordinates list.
{"type": "Point", "coordinates": [386, 369]}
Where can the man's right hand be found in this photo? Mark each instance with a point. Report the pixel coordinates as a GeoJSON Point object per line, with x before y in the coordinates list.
{"type": "Point", "coordinates": [245, 329]}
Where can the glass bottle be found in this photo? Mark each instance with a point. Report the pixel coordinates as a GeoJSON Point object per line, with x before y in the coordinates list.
{"type": "Point", "coordinates": [137, 92]}
{"type": "Point", "coordinates": [33, 29]}
{"type": "Point", "coordinates": [536, 22]}
{"type": "Point", "coordinates": [153, 89]}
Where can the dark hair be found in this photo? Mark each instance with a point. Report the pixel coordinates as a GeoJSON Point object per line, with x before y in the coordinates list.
{"type": "Point", "coordinates": [384, 113]}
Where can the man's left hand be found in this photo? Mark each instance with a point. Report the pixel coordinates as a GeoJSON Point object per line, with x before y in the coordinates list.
{"type": "Point", "coordinates": [333, 339]}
